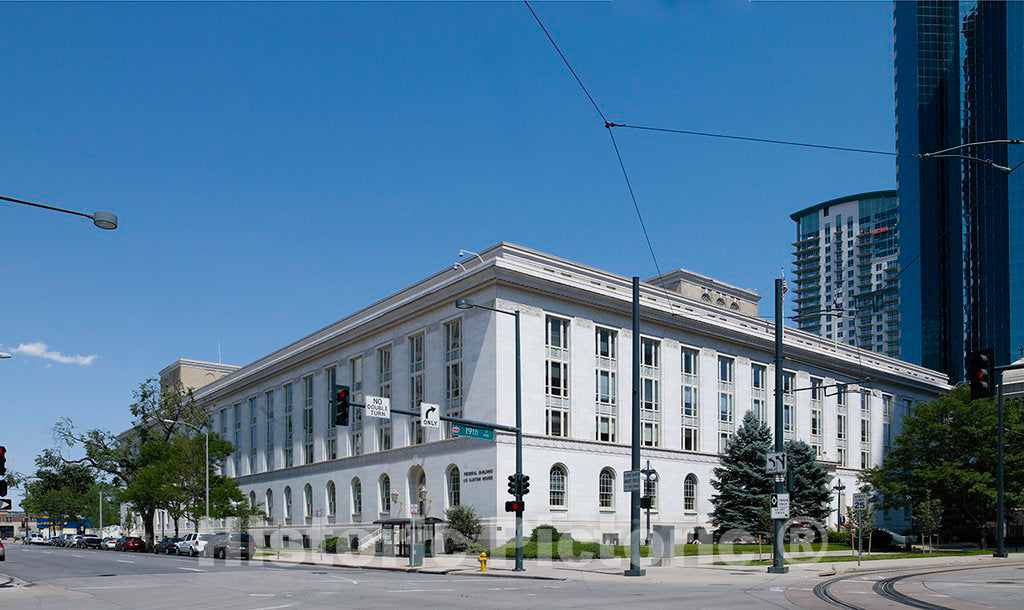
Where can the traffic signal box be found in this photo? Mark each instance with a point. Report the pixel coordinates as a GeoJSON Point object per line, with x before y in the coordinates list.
{"type": "Point", "coordinates": [981, 373]}
{"type": "Point", "coordinates": [340, 404]}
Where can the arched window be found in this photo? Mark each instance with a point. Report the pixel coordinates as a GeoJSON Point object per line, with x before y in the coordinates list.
{"type": "Point", "coordinates": [606, 489]}
{"type": "Point", "coordinates": [690, 493]}
{"type": "Point", "coordinates": [252, 499]}
{"type": "Point", "coordinates": [332, 499]}
{"type": "Point", "coordinates": [557, 480]}
{"type": "Point", "coordinates": [705, 297]}
{"type": "Point", "coordinates": [454, 488]}
{"type": "Point", "coordinates": [385, 494]}
{"type": "Point", "coordinates": [307, 502]}
{"type": "Point", "coordinates": [270, 506]}
{"type": "Point", "coordinates": [720, 302]}
{"type": "Point", "coordinates": [357, 497]}
{"type": "Point", "coordinates": [288, 504]}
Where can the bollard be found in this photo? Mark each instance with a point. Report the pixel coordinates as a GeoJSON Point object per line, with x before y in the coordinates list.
{"type": "Point", "coordinates": [483, 561]}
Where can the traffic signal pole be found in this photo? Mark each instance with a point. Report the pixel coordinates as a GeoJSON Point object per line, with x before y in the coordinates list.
{"type": "Point", "coordinates": [778, 560]}
{"type": "Point", "coordinates": [634, 496]}
{"type": "Point", "coordinates": [1000, 491]}
{"type": "Point", "coordinates": [519, 451]}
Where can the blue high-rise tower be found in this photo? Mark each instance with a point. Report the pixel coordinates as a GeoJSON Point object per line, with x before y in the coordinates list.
{"type": "Point", "coordinates": [959, 79]}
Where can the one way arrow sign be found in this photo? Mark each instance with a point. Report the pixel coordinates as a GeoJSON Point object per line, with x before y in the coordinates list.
{"type": "Point", "coordinates": [5, 504]}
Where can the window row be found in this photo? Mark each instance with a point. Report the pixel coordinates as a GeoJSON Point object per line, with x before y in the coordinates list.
{"type": "Point", "coordinates": [558, 486]}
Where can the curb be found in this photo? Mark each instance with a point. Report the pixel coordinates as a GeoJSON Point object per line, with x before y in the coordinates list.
{"type": "Point", "coordinates": [503, 575]}
{"type": "Point", "coordinates": [351, 567]}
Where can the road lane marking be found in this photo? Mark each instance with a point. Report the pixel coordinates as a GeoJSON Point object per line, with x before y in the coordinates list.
{"type": "Point", "coordinates": [78, 555]}
{"type": "Point", "coordinates": [125, 561]}
{"type": "Point", "coordinates": [421, 590]}
{"type": "Point", "coordinates": [275, 607]}
{"type": "Point", "coordinates": [261, 595]}
{"type": "Point", "coordinates": [192, 569]}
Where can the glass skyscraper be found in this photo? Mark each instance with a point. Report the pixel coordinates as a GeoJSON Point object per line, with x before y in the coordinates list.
{"type": "Point", "coordinates": [958, 72]}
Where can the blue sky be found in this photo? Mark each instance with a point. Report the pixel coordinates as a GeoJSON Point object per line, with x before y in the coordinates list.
{"type": "Point", "coordinates": [277, 166]}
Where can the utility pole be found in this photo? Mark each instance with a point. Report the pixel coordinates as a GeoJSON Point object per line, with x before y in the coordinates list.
{"type": "Point", "coordinates": [778, 561]}
{"type": "Point", "coordinates": [634, 496]}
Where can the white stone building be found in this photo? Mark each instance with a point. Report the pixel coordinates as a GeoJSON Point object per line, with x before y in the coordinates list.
{"type": "Point", "coordinates": [707, 360]}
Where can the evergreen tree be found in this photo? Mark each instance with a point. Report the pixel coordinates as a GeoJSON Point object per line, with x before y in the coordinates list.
{"type": "Point", "coordinates": [810, 494]}
{"type": "Point", "coordinates": [740, 480]}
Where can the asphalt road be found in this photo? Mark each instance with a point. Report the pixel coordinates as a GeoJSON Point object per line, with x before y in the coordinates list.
{"type": "Point", "coordinates": [84, 579]}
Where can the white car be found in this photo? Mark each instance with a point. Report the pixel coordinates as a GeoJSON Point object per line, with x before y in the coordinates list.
{"type": "Point", "coordinates": [193, 544]}
{"type": "Point", "coordinates": [36, 539]}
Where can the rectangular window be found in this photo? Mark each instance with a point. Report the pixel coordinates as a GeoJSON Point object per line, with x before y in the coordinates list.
{"type": "Point", "coordinates": [723, 441]}
{"type": "Point", "coordinates": [236, 412]}
{"type": "Point", "coordinates": [289, 428]}
{"type": "Point", "coordinates": [269, 457]}
{"type": "Point", "coordinates": [759, 391]}
{"type": "Point", "coordinates": [606, 390]}
{"type": "Point", "coordinates": [452, 370]}
{"type": "Point", "coordinates": [788, 403]}
{"type": "Point", "coordinates": [689, 438]}
{"type": "Point", "coordinates": [307, 419]}
{"type": "Point", "coordinates": [223, 430]}
{"type": "Point", "coordinates": [649, 433]}
{"type": "Point", "coordinates": [865, 459]}
{"type": "Point", "coordinates": [384, 390]}
{"type": "Point", "coordinates": [841, 456]}
{"type": "Point", "coordinates": [252, 435]}
{"type": "Point", "coordinates": [330, 380]}
{"type": "Point", "coordinates": [416, 365]}
{"type": "Point", "coordinates": [841, 426]}
{"type": "Point", "coordinates": [817, 394]}
{"type": "Point", "coordinates": [865, 431]}
{"type": "Point", "coordinates": [557, 377]}
{"type": "Point", "coordinates": [726, 385]}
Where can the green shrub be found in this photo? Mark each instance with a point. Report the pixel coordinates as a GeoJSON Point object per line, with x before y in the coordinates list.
{"type": "Point", "coordinates": [840, 537]}
{"type": "Point", "coordinates": [462, 529]}
{"type": "Point", "coordinates": [538, 531]}
{"type": "Point", "coordinates": [475, 548]}
{"type": "Point", "coordinates": [334, 544]}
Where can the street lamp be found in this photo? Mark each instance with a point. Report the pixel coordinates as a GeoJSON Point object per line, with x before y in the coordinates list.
{"type": "Point", "coordinates": [945, 154]}
{"type": "Point", "coordinates": [207, 433]}
{"type": "Point", "coordinates": [839, 488]}
{"type": "Point", "coordinates": [651, 476]}
{"type": "Point", "coordinates": [4, 355]}
{"type": "Point", "coordinates": [468, 304]}
{"type": "Point", "coordinates": [102, 219]}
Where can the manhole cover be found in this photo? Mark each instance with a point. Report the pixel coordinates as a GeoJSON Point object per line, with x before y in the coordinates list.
{"type": "Point", "coordinates": [319, 572]}
{"type": "Point", "coordinates": [106, 575]}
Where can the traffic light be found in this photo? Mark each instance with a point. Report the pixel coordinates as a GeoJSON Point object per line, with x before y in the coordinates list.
{"type": "Point", "coordinates": [515, 506]}
{"type": "Point", "coordinates": [524, 485]}
{"type": "Point", "coordinates": [513, 485]}
{"type": "Point", "coordinates": [646, 502]}
{"type": "Point", "coordinates": [340, 398]}
{"type": "Point", "coordinates": [981, 373]}
{"type": "Point", "coordinates": [3, 460]}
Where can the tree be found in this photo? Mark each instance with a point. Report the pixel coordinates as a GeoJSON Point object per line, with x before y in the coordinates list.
{"type": "Point", "coordinates": [810, 493]}
{"type": "Point", "coordinates": [741, 481]}
{"type": "Point", "coordinates": [946, 448]}
{"type": "Point", "coordinates": [929, 517]}
{"type": "Point", "coordinates": [59, 491]}
{"type": "Point", "coordinates": [138, 459]}
{"type": "Point", "coordinates": [464, 525]}
{"type": "Point", "coordinates": [863, 519]}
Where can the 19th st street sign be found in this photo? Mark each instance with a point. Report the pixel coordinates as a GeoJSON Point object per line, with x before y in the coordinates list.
{"type": "Point", "coordinates": [472, 432]}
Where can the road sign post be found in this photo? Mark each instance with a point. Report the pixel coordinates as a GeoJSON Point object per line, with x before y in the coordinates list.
{"type": "Point", "coordinates": [780, 506]}
{"type": "Point", "coordinates": [430, 415]}
{"type": "Point", "coordinates": [378, 406]}
{"type": "Point", "coordinates": [775, 462]}
{"type": "Point", "coordinates": [632, 480]}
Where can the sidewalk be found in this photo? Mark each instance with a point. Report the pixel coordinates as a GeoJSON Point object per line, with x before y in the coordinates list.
{"type": "Point", "coordinates": [612, 567]}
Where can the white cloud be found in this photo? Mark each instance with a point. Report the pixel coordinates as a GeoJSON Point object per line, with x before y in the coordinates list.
{"type": "Point", "coordinates": [41, 350]}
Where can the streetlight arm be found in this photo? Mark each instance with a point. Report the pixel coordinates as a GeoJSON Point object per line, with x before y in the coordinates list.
{"type": "Point", "coordinates": [103, 220]}
{"type": "Point", "coordinates": [968, 158]}
{"type": "Point", "coordinates": [969, 144]}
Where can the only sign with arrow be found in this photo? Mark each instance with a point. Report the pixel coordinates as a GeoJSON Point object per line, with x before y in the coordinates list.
{"type": "Point", "coordinates": [430, 415]}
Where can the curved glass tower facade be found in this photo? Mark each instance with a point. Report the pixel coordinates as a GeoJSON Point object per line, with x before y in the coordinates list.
{"type": "Point", "coordinates": [958, 73]}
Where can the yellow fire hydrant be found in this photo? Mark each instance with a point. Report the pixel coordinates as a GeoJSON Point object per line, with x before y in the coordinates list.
{"type": "Point", "coordinates": [483, 561]}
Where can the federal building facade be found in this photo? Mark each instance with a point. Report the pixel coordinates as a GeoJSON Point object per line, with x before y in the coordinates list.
{"type": "Point", "coordinates": [706, 360]}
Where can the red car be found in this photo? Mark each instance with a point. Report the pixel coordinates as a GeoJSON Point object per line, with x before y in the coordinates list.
{"type": "Point", "coordinates": [133, 544]}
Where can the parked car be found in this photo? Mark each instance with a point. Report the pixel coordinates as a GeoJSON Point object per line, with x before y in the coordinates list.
{"type": "Point", "coordinates": [133, 543]}
{"type": "Point", "coordinates": [232, 544]}
{"type": "Point", "coordinates": [193, 544]}
{"type": "Point", "coordinates": [67, 540]}
{"type": "Point", "coordinates": [108, 544]}
{"type": "Point", "coordinates": [166, 545]}
{"type": "Point", "coordinates": [91, 542]}
{"type": "Point", "coordinates": [76, 541]}
{"type": "Point", "coordinates": [36, 539]}
{"type": "Point", "coordinates": [119, 543]}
